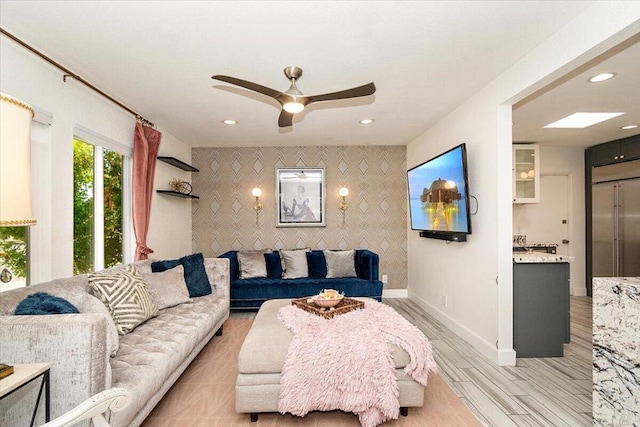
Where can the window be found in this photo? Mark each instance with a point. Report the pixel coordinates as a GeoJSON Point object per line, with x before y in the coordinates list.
{"type": "Point", "coordinates": [13, 257]}
{"type": "Point", "coordinates": [102, 229]}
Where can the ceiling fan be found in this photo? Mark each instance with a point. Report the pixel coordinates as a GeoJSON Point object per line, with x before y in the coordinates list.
{"type": "Point", "coordinates": [293, 101]}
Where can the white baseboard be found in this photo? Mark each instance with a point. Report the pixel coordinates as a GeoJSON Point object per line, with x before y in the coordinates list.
{"type": "Point", "coordinates": [501, 357]}
{"type": "Point", "coordinates": [394, 293]}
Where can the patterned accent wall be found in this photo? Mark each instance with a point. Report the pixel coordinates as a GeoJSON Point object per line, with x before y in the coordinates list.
{"type": "Point", "coordinates": [376, 217]}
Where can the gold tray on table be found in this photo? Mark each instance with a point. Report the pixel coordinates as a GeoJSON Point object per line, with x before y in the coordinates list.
{"type": "Point", "coordinates": [344, 306]}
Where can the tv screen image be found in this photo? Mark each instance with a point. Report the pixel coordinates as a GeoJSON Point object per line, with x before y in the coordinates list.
{"type": "Point", "coordinates": [438, 194]}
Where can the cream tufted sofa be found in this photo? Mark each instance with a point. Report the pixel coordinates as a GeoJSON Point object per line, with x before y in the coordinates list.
{"type": "Point", "coordinates": [149, 359]}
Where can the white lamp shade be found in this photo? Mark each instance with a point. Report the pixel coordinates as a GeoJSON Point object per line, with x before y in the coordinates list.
{"type": "Point", "coordinates": [256, 192]}
{"type": "Point", "coordinates": [343, 192]}
{"type": "Point", "coordinates": [15, 162]}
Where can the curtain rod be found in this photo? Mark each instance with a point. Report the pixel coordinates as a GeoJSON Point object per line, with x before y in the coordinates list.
{"type": "Point", "coordinates": [69, 73]}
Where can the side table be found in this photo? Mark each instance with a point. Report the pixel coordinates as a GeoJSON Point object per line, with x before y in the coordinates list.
{"type": "Point", "coordinates": [23, 375]}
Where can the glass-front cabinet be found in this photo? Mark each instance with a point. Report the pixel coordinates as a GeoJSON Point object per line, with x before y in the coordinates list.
{"type": "Point", "coordinates": [526, 173]}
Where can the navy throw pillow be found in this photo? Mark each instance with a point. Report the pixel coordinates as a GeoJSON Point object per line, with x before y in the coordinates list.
{"type": "Point", "coordinates": [317, 264]}
{"type": "Point", "coordinates": [274, 265]}
{"type": "Point", "coordinates": [44, 303]}
{"type": "Point", "coordinates": [194, 273]}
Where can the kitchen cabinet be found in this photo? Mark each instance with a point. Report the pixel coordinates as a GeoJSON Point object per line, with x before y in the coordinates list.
{"type": "Point", "coordinates": [621, 150]}
{"type": "Point", "coordinates": [597, 159]}
{"type": "Point", "coordinates": [526, 173]}
{"type": "Point", "coordinates": [541, 316]}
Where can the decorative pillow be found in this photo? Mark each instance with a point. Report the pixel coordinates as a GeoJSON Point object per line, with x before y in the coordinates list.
{"type": "Point", "coordinates": [294, 263]}
{"type": "Point", "coordinates": [194, 273]}
{"type": "Point", "coordinates": [214, 273]}
{"type": "Point", "coordinates": [274, 265]}
{"type": "Point", "coordinates": [252, 263]}
{"type": "Point", "coordinates": [168, 287]}
{"type": "Point", "coordinates": [340, 263]}
{"type": "Point", "coordinates": [126, 296]}
{"type": "Point", "coordinates": [44, 303]}
{"type": "Point", "coordinates": [94, 305]}
{"type": "Point", "coordinates": [144, 266]}
{"type": "Point", "coordinates": [317, 264]}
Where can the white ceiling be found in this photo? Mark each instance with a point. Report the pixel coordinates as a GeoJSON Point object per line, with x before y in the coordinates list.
{"type": "Point", "coordinates": [618, 95]}
{"type": "Point", "coordinates": [157, 57]}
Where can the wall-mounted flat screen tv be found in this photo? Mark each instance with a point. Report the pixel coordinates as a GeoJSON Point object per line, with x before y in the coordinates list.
{"type": "Point", "coordinates": [439, 196]}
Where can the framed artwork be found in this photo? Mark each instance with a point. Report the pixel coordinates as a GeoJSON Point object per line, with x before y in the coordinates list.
{"type": "Point", "coordinates": [300, 197]}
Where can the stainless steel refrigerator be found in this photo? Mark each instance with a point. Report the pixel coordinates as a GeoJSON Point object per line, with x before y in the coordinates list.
{"type": "Point", "coordinates": [616, 219]}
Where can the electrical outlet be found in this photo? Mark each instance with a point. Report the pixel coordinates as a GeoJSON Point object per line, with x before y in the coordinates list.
{"type": "Point", "coordinates": [385, 278]}
{"type": "Point", "coordinates": [445, 301]}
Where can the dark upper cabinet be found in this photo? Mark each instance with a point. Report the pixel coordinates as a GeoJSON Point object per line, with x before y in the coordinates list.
{"type": "Point", "coordinates": [631, 148]}
{"type": "Point", "coordinates": [621, 150]}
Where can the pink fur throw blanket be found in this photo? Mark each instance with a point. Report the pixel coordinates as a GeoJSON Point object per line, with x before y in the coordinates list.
{"type": "Point", "coordinates": [344, 363]}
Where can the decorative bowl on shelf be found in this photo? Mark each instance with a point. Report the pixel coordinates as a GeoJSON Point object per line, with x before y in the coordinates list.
{"type": "Point", "coordinates": [328, 298]}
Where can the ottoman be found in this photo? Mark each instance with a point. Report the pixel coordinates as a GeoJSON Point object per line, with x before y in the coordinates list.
{"type": "Point", "coordinates": [262, 357]}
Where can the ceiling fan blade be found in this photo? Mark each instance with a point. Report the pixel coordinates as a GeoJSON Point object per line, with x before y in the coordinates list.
{"type": "Point", "coordinates": [248, 85]}
{"type": "Point", "coordinates": [368, 89]}
{"type": "Point", "coordinates": [285, 119]}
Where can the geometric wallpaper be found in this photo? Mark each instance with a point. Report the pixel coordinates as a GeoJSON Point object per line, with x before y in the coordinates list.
{"type": "Point", "coordinates": [375, 219]}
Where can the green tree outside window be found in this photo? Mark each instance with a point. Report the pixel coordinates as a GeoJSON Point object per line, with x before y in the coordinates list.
{"type": "Point", "coordinates": [83, 207]}
{"type": "Point", "coordinates": [13, 250]}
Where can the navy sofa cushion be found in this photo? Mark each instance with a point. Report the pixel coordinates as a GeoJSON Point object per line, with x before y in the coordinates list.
{"type": "Point", "coordinates": [44, 303]}
{"type": "Point", "coordinates": [194, 273]}
{"type": "Point", "coordinates": [317, 264]}
{"type": "Point", "coordinates": [274, 266]}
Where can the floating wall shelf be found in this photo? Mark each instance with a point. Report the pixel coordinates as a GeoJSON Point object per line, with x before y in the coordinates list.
{"type": "Point", "coordinates": [177, 194]}
{"type": "Point", "coordinates": [180, 165]}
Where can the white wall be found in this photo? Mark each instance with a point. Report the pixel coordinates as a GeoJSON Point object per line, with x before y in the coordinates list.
{"type": "Point", "coordinates": [477, 276]}
{"type": "Point", "coordinates": [29, 78]}
{"type": "Point", "coordinates": [567, 161]}
{"type": "Point", "coordinates": [171, 217]}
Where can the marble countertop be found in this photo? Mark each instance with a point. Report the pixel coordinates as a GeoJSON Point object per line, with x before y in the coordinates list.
{"type": "Point", "coordinates": [539, 257]}
{"type": "Point", "coordinates": [635, 281]}
{"type": "Point", "coordinates": [616, 350]}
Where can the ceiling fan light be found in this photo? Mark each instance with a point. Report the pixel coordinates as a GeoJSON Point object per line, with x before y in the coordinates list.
{"type": "Point", "coordinates": [293, 107]}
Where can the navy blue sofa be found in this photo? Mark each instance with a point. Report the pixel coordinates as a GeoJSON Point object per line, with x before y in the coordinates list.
{"type": "Point", "coordinates": [251, 293]}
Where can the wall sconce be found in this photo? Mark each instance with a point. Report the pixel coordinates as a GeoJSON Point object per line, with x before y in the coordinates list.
{"type": "Point", "coordinates": [343, 193]}
{"type": "Point", "coordinates": [257, 205]}
{"type": "Point", "coordinates": [256, 192]}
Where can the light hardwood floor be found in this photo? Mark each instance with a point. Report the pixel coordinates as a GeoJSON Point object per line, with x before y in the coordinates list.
{"type": "Point", "coordinates": [536, 392]}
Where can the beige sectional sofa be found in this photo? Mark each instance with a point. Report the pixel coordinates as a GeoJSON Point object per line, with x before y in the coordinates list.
{"type": "Point", "coordinates": [78, 346]}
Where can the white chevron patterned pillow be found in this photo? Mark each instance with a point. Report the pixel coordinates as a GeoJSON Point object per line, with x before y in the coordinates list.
{"type": "Point", "coordinates": [125, 294]}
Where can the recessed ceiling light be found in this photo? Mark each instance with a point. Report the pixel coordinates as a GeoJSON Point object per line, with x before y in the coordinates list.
{"type": "Point", "coordinates": [627, 127]}
{"type": "Point", "coordinates": [601, 77]}
{"type": "Point", "coordinates": [582, 120]}
{"type": "Point", "coordinates": [230, 122]}
{"type": "Point", "coordinates": [366, 121]}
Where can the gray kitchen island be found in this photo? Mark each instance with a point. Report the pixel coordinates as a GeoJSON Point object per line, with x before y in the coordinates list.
{"type": "Point", "coordinates": [541, 314]}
